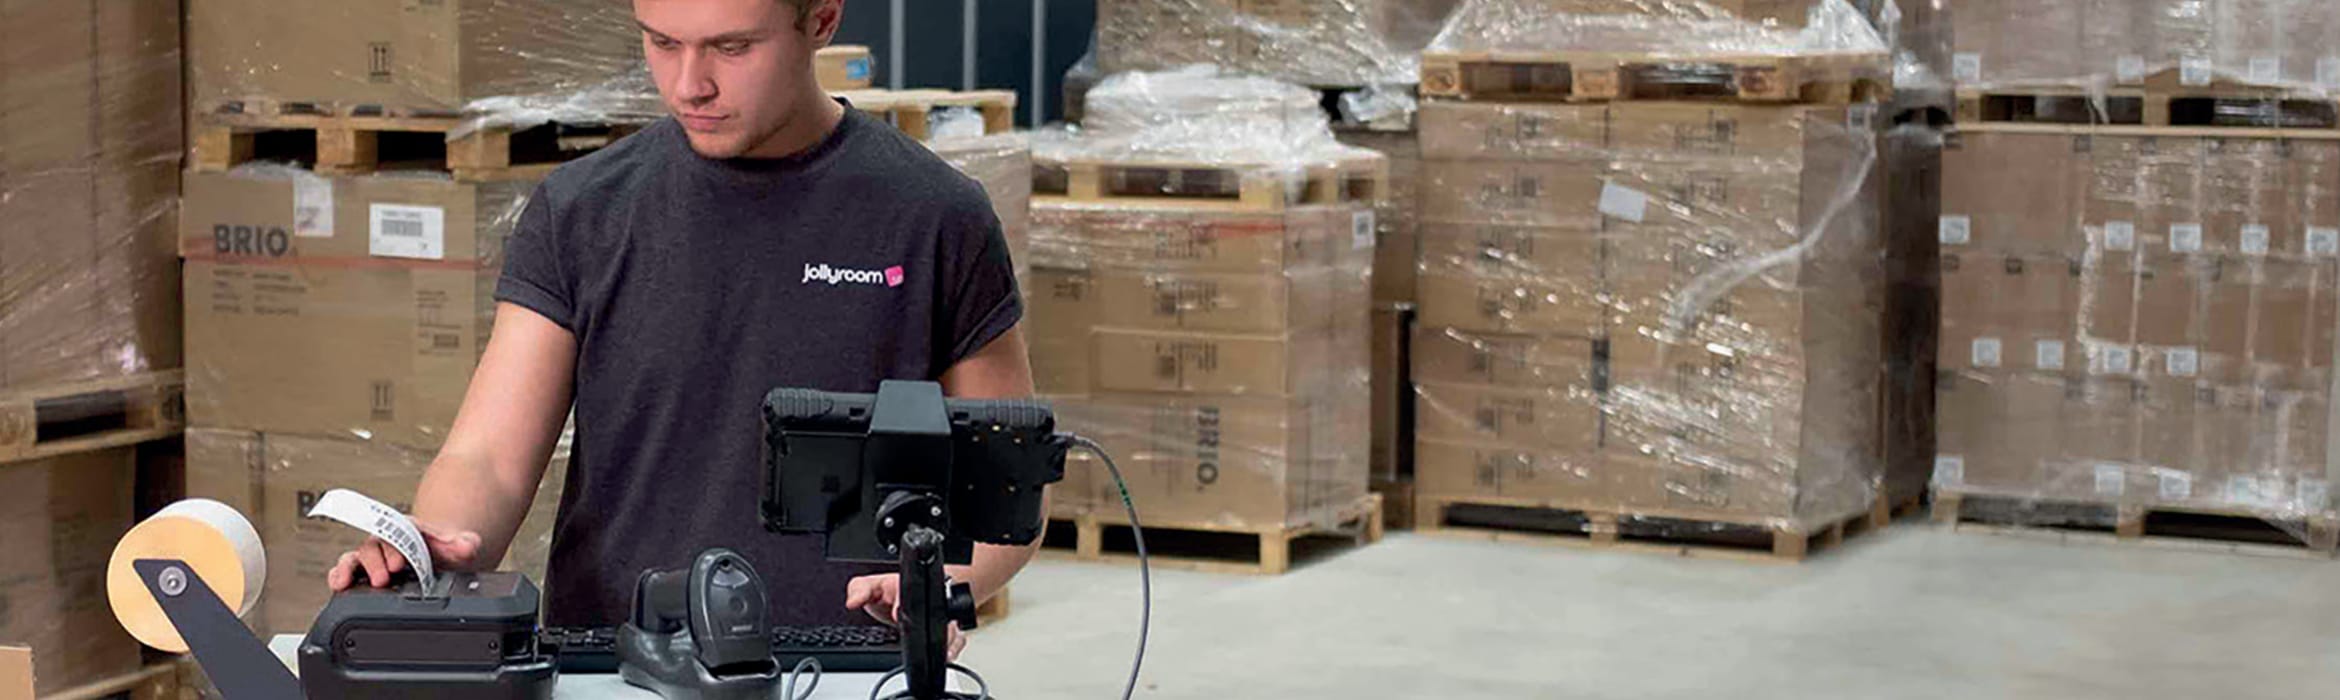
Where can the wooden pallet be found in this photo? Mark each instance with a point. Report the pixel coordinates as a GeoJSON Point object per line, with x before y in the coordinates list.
{"type": "Point", "coordinates": [2211, 529]}
{"type": "Point", "coordinates": [46, 421]}
{"type": "Point", "coordinates": [1211, 547]}
{"type": "Point", "coordinates": [1583, 76]}
{"type": "Point", "coordinates": [912, 111]}
{"type": "Point", "coordinates": [1199, 185]}
{"type": "Point", "coordinates": [162, 681]}
{"type": "Point", "coordinates": [2161, 101]}
{"type": "Point", "coordinates": [353, 142]}
{"type": "Point", "coordinates": [1657, 531]}
{"type": "Point", "coordinates": [1397, 502]}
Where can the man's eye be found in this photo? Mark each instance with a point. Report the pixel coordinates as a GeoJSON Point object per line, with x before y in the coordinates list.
{"type": "Point", "coordinates": [663, 43]}
{"type": "Point", "coordinates": [732, 48]}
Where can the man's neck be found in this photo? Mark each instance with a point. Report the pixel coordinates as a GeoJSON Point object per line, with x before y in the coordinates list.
{"type": "Point", "coordinates": [811, 122]}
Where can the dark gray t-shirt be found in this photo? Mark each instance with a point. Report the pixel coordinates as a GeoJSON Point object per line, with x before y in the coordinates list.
{"type": "Point", "coordinates": [693, 287]}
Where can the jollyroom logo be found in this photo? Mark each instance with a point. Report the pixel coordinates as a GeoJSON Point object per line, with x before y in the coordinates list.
{"type": "Point", "coordinates": [891, 277]}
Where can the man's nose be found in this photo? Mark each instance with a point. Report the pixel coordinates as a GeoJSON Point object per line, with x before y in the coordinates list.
{"type": "Point", "coordinates": [695, 83]}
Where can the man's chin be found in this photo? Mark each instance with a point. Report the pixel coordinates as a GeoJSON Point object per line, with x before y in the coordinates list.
{"type": "Point", "coordinates": [713, 145]}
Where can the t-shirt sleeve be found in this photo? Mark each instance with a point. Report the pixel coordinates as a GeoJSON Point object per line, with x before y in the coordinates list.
{"type": "Point", "coordinates": [536, 275]}
{"type": "Point", "coordinates": [979, 281]}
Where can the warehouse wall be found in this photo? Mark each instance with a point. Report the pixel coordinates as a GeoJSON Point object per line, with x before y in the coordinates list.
{"type": "Point", "coordinates": [935, 46]}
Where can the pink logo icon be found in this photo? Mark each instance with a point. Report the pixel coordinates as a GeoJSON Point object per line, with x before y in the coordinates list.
{"type": "Point", "coordinates": [894, 276]}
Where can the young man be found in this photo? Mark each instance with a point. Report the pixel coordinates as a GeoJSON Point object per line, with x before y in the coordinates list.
{"type": "Point", "coordinates": [764, 236]}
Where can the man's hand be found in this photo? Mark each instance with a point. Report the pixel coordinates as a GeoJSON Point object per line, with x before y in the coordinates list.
{"type": "Point", "coordinates": [450, 550]}
{"type": "Point", "coordinates": [880, 595]}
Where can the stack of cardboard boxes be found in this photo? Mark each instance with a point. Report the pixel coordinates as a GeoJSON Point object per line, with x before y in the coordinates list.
{"type": "Point", "coordinates": [89, 162]}
{"type": "Point", "coordinates": [2012, 43]}
{"type": "Point", "coordinates": [333, 322]}
{"type": "Point", "coordinates": [2139, 317]}
{"type": "Point", "coordinates": [1355, 43]}
{"type": "Point", "coordinates": [1649, 307]}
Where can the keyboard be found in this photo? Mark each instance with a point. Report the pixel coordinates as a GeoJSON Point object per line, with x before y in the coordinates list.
{"type": "Point", "coordinates": [841, 649]}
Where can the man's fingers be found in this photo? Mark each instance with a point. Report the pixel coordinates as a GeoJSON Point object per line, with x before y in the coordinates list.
{"type": "Point", "coordinates": [458, 549]}
{"type": "Point", "coordinates": [396, 561]}
{"type": "Point", "coordinates": [958, 642]}
{"type": "Point", "coordinates": [337, 578]}
{"type": "Point", "coordinates": [859, 591]}
{"type": "Point", "coordinates": [377, 569]}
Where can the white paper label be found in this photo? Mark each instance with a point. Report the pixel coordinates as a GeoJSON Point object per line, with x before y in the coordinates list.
{"type": "Point", "coordinates": [1966, 66]}
{"type": "Point", "coordinates": [400, 231]}
{"type": "Point", "coordinates": [2255, 238]}
{"type": "Point", "coordinates": [2131, 68]}
{"type": "Point", "coordinates": [2120, 235]}
{"type": "Point", "coordinates": [1955, 230]}
{"type": "Point", "coordinates": [2185, 238]}
{"type": "Point", "coordinates": [1949, 470]}
{"type": "Point", "coordinates": [1861, 117]}
{"type": "Point", "coordinates": [1623, 202]}
{"type": "Point", "coordinates": [2111, 479]}
{"type": "Point", "coordinates": [1361, 229]}
{"type": "Point", "coordinates": [2266, 69]}
{"type": "Point", "coordinates": [2176, 486]}
{"type": "Point", "coordinates": [2315, 494]}
{"type": "Point", "coordinates": [312, 206]}
{"type": "Point", "coordinates": [1986, 352]}
{"type": "Point", "coordinates": [356, 510]}
{"type": "Point", "coordinates": [2118, 360]}
{"type": "Point", "coordinates": [2328, 72]}
{"type": "Point", "coordinates": [2049, 354]}
{"type": "Point", "coordinates": [2246, 490]}
{"type": "Point", "coordinates": [2323, 241]}
{"type": "Point", "coordinates": [2194, 70]}
{"type": "Point", "coordinates": [2184, 362]}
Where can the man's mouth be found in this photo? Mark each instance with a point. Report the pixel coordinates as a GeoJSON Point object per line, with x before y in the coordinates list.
{"type": "Point", "coordinates": [700, 122]}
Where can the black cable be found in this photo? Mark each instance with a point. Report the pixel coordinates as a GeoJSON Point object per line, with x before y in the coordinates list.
{"type": "Point", "coordinates": [1145, 572]}
{"type": "Point", "coordinates": [788, 687]}
{"type": "Point", "coordinates": [982, 689]}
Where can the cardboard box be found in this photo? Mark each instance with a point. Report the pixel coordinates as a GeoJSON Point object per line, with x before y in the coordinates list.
{"type": "Point", "coordinates": [275, 478]}
{"type": "Point", "coordinates": [2312, 195]}
{"type": "Point", "coordinates": [2010, 192]}
{"type": "Point", "coordinates": [1995, 431]}
{"type": "Point", "coordinates": [1252, 302]}
{"type": "Point", "coordinates": [1229, 462]}
{"type": "Point", "coordinates": [2011, 41]}
{"type": "Point", "coordinates": [1511, 306]}
{"type": "Point", "coordinates": [1555, 256]}
{"type": "Point", "coordinates": [1060, 309]}
{"type": "Point", "coordinates": [437, 56]}
{"type": "Point", "coordinates": [1448, 469]}
{"type": "Point", "coordinates": [2171, 291]}
{"type": "Point", "coordinates": [1398, 218]}
{"type": "Point", "coordinates": [1184, 239]}
{"type": "Point", "coordinates": [62, 516]}
{"type": "Point", "coordinates": [1480, 131]}
{"type": "Point", "coordinates": [1552, 194]}
{"type": "Point", "coordinates": [843, 67]}
{"type": "Point", "coordinates": [2011, 312]}
{"type": "Point", "coordinates": [1554, 419]}
{"type": "Point", "coordinates": [1276, 364]}
{"type": "Point", "coordinates": [1452, 355]}
{"type": "Point", "coordinates": [335, 324]}
{"type": "Point", "coordinates": [2112, 191]}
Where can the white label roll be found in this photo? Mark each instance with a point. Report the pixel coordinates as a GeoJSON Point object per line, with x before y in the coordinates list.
{"type": "Point", "coordinates": [212, 538]}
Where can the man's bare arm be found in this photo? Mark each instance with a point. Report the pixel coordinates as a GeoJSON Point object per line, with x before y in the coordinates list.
{"type": "Point", "coordinates": [487, 473]}
{"type": "Point", "coordinates": [1001, 370]}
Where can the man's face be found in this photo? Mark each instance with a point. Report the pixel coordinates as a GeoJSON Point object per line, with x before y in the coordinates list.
{"type": "Point", "coordinates": [732, 71]}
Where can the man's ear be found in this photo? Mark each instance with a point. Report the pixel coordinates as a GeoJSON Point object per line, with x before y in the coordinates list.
{"type": "Point", "coordinates": [822, 19]}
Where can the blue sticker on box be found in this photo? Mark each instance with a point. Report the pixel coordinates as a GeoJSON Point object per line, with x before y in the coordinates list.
{"type": "Point", "coordinates": [857, 69]}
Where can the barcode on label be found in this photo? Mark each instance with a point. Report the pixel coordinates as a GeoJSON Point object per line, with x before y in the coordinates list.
{"type": "Point", "coordinates": [1986, 352]}
{"type": "Point", "coordinates": [400, 228]}
{"type": "Point", "coordinates": [2266, 69]}
{"type": "Point", "coordinates": [2049, 354]}
{"type": "Point", "coordinates": [2184, 362]}
{"type": "Point", "coordinates": [1361, 229]}
{"type": "Point", "coordinates": [2176, 486]}
{"type": "Point", "coordinates": [2185, 238]}
{"type": "Point", "coordinates": [446, 341]}
{"type": "Point", "coordinates": [1949, 470]}
{"type": "Point", "coordinates": [1956, 230]}
{"type": "Point", "coordinates": [402, 231]}
{"type": "Point", "coordinates": [2111, 479]}
{"type": "Point", "coordinates": [2323, 241]}
{"type": "Point", "coordinates": [2120, 235]}
{"type": "Point", "coordinates": [2194, 71]}
{"type": "Point", "coordinates": [2255, 238]}
{"type": "Point", "coordinates": [1966, 66]}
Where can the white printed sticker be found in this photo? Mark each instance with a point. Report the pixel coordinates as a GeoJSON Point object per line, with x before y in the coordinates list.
{"type": "Point", "coordinates": [1966, 66]}
{"type": "Point", "coordinates": [2120, 235]}
{"type": "Point", "coordinates": [2194, 71]}
{"type": "Point", "coordinates": [2176, 486]}
{"type": "Point", "coordinates": [2328, 72]}
{"type": "Point", "coordinates": [2323, 241]}
{"type": "Point", "coordinates": [1361, 229]}
{"type": "Point", "coordinates": [1949, 470]}
{"type": "Point", "coordinates": [2315, 494]}
{"type": "Point", "coordinates": [1986, 352]}
{"type": "Point", "coordinates": [2049, 355]}
{"type": "Point", "coordinates": [2255, 238]}
{"type": "Point", "coordinates": [2131, 68]}
{"type": "Point", "coordinates": [2118, 360]}
{"type": "Point", "coordinates": [2266, 69]}
{"type": "Point", "coordinates": [2184, 362]}
{"type": "Point", "coordinates": [2246, 490]}
{"type": "Point", "coordinates": [2185, 238]}
{"type": "Point", "coordinates": [400, 231]}
{"type": "Point", "coordinates": [312, 206]}
{"type": "Point", "coordinates": [356, 510]}
{"type": "Point", "coordinates": [2111, 479]}
{"type": "Point", "coordinates": [1955, 230]}
{"type": "Point", "coordinates": [1623, 202]}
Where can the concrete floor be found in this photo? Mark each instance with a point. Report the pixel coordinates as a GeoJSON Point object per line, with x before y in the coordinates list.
{"type": "Point", "coordinates": [1910, 612]}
